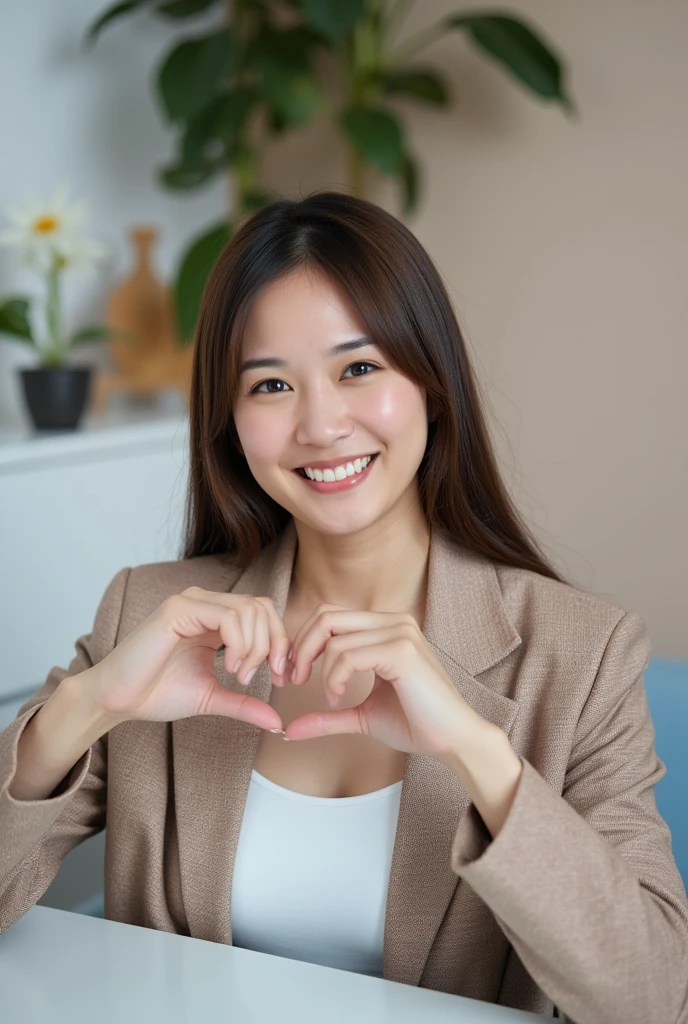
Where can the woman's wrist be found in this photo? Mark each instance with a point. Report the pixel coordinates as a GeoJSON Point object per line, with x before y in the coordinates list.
{"type": "Point", "coordinates": [53, 740]}
{"type": "Point", "coordinates": [490, 770]}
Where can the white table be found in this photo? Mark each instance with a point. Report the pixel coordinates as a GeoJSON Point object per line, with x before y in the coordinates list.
{"type": "Point", "coordinates": [68, 968]}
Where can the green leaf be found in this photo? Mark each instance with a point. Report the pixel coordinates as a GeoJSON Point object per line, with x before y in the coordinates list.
{"type": "Point", "coordinates": [209, 140]}
{"type": "Point", "coordinates": [184, 8]}
{"type": "Point", "coordinates": [518, 48]}
{"type": "Point", "coordinates": [410, 176]}
{"type": "Point", "coordinates": [98, 333]}
{"type": "Point", "coordinates": [112, 13]}
{"type": "Point", "coordinates": [194, 72]}
{"type": "Point", "coordinates": [14, 319]}
{"type": "Point", "coordinates": [377, 134]}
{"type": "Point", "coordinates": [193, 274]}
{"type": "Point", "coordinates": [298, 99]}
{"type": "Point", "coordinates": [282, 61]}
{"type": "Point", "coordinates": [419, 83]}
{"type": "Point", "coordinates": [288, 50]}
{"type": "Point", "coordinates": [182, 177]}
{"type": "Point", "coordinates": [199, 142]}
{"type": "Point", "coordinates": [232, 112]}
{"type": "Point", "coordinates": [276, 122]}
{"type": "Point", "coordinates": [334, 19]}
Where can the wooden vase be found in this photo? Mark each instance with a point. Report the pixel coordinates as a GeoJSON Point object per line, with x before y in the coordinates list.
{"type": "Point", "coordinates": [142, 305]}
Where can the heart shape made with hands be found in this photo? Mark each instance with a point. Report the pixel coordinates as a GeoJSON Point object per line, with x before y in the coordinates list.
{"type": "Point", "coordinates": [413, 705]}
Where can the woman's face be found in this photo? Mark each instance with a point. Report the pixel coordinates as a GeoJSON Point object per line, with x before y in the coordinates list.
{"type": "Point", "coordinates": [318, 406]}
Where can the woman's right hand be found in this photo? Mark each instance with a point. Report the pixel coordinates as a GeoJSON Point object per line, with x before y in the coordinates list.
{"type": "Point", "coordinates": [163, 670]}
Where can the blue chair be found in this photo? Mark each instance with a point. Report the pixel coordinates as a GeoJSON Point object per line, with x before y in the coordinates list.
{"type": "Point", "coordinates": [666, 684]}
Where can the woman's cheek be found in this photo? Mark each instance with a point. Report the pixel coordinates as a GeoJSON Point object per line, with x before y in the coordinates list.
{"type": "Point", "coordinates": [399, 406]}
{"type": "Point", "coordinates": [263, 437]}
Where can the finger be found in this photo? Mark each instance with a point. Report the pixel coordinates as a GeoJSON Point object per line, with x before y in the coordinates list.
{"type": "Point", "coordinates": [361, 651]}
{"type": "Point", "coordinates": [243, 707]}
{"type": "Point", "coordinates": [302, 631]}
{"type": "Point", "coordinates": [236, 636]}
{"type": "Point", "coordinates": [235, 633]}
{"type": "Point", "coordinates": [188, 616]}
{"type": "Point", "coordinates": [325, 723]}
{"type": "Point", "coordinates": [246, 651]}
{"type": "Point", "coordinates": [257, 618]}
{"type": "Point", "coordinates": [247, 619]}
{"type": "Point", "coordinates": [232, 637]}
{"type": "Point", "coordinates": [279, 640]}
{"type": "Point", "coordinates": [328, 621]}
{"type": "Point", "coordinates": [234, 621]}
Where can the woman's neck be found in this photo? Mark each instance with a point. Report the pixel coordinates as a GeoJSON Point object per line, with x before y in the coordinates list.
{"type": "Point", "coordinates": [384, 569]}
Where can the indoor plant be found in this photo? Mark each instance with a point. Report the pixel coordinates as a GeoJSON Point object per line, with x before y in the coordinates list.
{"type": "Point", "coordinates": [47, 237]}
{"type": "Point", "coordinates": [255, 70]}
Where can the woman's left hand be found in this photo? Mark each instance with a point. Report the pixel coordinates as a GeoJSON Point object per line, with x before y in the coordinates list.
{"type": "Point", "coordinates": [413, 705]}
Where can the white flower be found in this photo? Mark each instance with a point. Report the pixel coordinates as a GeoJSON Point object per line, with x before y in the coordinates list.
{"type": "Point", "coordinates": [44, 231]}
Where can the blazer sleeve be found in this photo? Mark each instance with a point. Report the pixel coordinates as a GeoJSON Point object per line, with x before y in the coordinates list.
{"type": "Point", "coordinates": [584, 884]}
{"type": "Point", "coordinates": [36, 834]}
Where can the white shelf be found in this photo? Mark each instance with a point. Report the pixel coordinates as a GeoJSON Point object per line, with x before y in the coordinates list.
{"type": "Point", "coordinates": [108, 434]}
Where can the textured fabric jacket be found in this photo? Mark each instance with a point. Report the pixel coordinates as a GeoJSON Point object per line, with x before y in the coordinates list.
{"type": "Point", "coordinates": [576, 905]}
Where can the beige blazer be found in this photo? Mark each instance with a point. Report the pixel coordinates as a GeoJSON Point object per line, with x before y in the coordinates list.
{"type": "Point", "coordinates": [576, 904]}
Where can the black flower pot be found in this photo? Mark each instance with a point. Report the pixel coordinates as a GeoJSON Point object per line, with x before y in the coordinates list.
{"type": "Point", "coordinates": [56, 396]}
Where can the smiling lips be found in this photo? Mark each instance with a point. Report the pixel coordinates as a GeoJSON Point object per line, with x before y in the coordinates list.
{"type": "Point", "coordinates": [343, 460]}
{"type": "Point", "coordinates": [333, 480]}
{"type": "Point", "coordinates": [330, 473]}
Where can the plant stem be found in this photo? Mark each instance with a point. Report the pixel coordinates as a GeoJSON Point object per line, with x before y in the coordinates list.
{"type": "Point", "coordinates": [55, 352]}
{"type": "Point", "coordinates": [243, 174]}
{"type": "Point", "coordinates": [361, 60]}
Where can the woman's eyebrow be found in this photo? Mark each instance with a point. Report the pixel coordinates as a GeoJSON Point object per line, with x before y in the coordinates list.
{"type": "Point", "coordinates": [336, 350]}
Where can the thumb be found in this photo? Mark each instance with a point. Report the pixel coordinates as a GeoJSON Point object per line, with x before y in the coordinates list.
{"type": "Point", "coordinates": [325, 723]}
{"type": "Point", "coordinates": [243, 707]}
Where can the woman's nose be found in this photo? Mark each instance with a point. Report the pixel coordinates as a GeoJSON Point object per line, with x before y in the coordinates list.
{"type": "Point", "coordinates": [321, 418]}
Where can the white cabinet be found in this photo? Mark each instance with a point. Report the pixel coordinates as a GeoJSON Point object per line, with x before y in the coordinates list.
{"type": "Point", "coordinates": [74, 509]}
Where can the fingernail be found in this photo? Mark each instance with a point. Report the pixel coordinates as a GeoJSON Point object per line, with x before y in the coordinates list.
{"type": "Point", "coordinates": [293, 674]}
{"type": "Point", "coordinates": [282, 663]}
{"type": "Point", "coordinates": [276, 730]}
{"type": "Point", "coordinates": [250, 676]}
{"type": "Point", "coordinates": [291, 651]}
{"type": "Point", "coordinates": [286, 738]}
{"type": "Point", "coordinates": [236, 667]}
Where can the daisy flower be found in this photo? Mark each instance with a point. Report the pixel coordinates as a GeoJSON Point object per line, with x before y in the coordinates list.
{"type": "Point", "coordinates": [47, 233]}
{"type": "Point", "coordinates": [48, 238]}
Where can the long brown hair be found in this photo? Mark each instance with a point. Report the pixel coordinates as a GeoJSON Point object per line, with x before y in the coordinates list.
{"type": "Point", "coordinates": [399, 296]}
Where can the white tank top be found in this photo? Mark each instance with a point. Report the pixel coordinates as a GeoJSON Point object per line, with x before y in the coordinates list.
{"type": "Point", "coordinates": [311, 875]}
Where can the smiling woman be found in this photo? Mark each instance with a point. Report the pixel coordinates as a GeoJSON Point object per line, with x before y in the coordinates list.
{"type": "Point", "coordinates": [301, 285]}
{"type": "Point", "coordinates": [465, 801]}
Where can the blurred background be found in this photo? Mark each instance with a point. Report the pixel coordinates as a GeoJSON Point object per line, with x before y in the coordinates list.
{"type": "Point", "coordinates": [539, 153]}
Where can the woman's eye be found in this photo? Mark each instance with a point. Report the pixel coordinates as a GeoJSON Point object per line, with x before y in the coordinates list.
{"type": "Point", "coordinates": [276, 380]}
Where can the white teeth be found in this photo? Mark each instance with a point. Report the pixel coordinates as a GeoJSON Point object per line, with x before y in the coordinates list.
{"type": "Point", "coordinates": [339, 472]}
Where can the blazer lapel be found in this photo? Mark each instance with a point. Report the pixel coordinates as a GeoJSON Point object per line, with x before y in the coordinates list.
{"type": "Point", "coordinates": [213, 759]}
{"type": "Point", "coordinates": [468, 628]}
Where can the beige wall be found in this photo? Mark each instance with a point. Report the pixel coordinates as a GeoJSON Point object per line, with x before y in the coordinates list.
{"type": "Point", "coordinates": [565, 249]}
{"type": "Point", "coordinates": [564, 246]}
